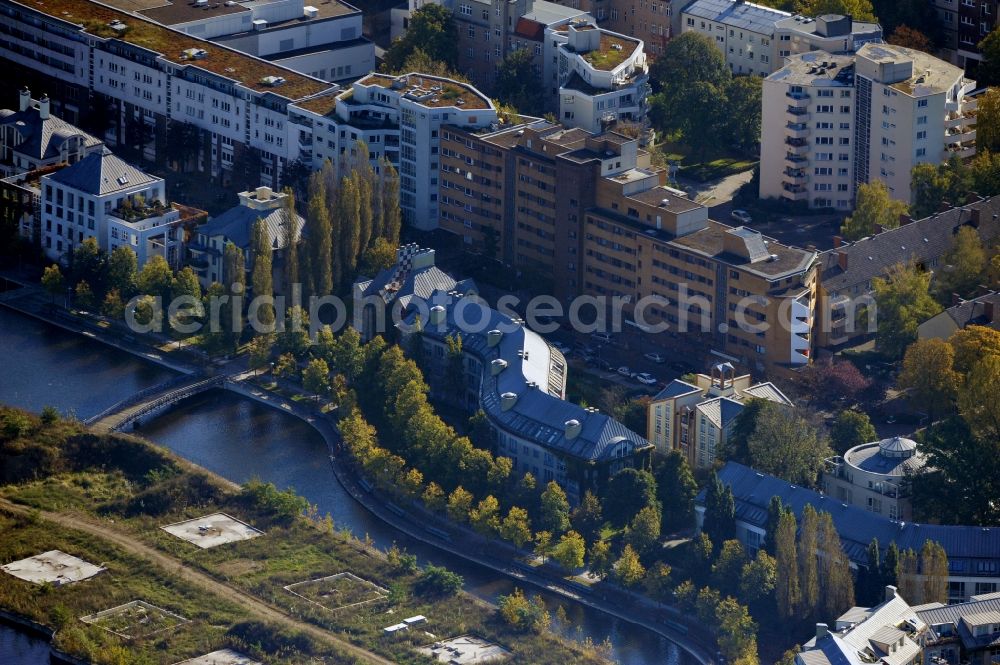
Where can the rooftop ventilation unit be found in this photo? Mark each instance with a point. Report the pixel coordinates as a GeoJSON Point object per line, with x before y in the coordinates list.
{"type": "Point", "coordinates": [310, 12]}
{"type": "Point", "coordinates": [272, 81]}
{"type": "Point", "coordinates": [193, 54]}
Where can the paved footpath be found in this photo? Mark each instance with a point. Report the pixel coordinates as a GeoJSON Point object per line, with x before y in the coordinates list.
{"type": "Point", "coordinates": [252, 605]}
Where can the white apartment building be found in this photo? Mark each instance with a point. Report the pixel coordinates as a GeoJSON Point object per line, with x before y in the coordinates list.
{"type": "Point", "coordinates": [832, 122]}
{"type": "Point", "coordinates": [756, 39]}
{"type": "Point", "coordinates": [160, 76]}
{"type": "Point", "coordinates": [399, 117]}
{"type": "Point", "coordinates": [873, 476]}
{"type": "Point", "coordinates": [696, 418]}
{"type": "Point", "coordinates": [105, 198]}
{"type": "Point", "coordinates": [323, 39]}
{"type": "Point", "coordinates": [603, 78]}
{"type": "Point", "coordinates": [33, 138]}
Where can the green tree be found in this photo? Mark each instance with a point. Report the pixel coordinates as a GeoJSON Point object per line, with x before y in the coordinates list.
{"type": "Point", "coordinates": [392, 216]}
{"type": "Point", "coordinates": [523, 614]}
{"type": "Point", "coordinates": [485, 517]}
{"type": "Point", "coordinates": [628, 492]}
{"type": "Point", "coordinates": [784, 444]}
{"type": "Point", "coordinates": [516, 527]}
{"type": "Point", "coordinates": [437, 580]}
{"type": "Point", "coordinates": [808, 566]}
{"type": "Point", "coordinates": [260, 351]}
{"type": "Point", "coordinates": [410, 484]}
{"type": "Point", "coordinates": [380, 256]}
{"type": "Point", "coordinates": [934, 566]}
{"type": "Point", "coordinates": [904, 302]}
{"type": "Point", "coordinates": [737, 632]}
{"type": "Point", "coordinates": [186, 284]}
{"type": "Point", "coordinates": [743, 107]}
{"type": "Point", "coordinates": [294, 339]}
{"type": "Point", "coordinates": [316, 376]}
{"type": "Point", "coordinates": [934, 184]}
{"type": "Point", "coordinates": [720, 511]}
{"type": "Point", "coordinates": [836, 582]}
{"type": "Point", "coordinates": [870, 587]}
{"type": "Point", "coordinates": [52, 281]}
{"type": "Point", "coordinates": [432, 29]}
{"type": "Point", "coordinates": [517, 83]}
{"type": "Point", "coordinates": [758, 578]}
{"type": "Point", "coordinates": [113, 307]}
{"type": "Point", "coordinates": [908, 37]}
{"type": "Point", "coordinates": [688, 59]}
{"type": "Point", "coordinates": [554, 509]}
{"type": "Point", "coordinates": [347, 355]}
{"type": "Point", "coordinates": [434, 497]}
{"type": "Point", "coordinates": [459, 504]}
{"type": "Point", "coordinates": [123, 271]}
{"type": "Point", "coordinates": [83, 295]}
{"type": "Point", "coordinates": [964, 266]}
{"type": "Point", "coordinates": [348, 227]}
{"type": "Point", "coordinates": [570, 550]}
{"type": "Point", "coordinates": [262, 280]}
{"type": "Point", "coordinates": [319, 249]}
{"type": "Point", "coordinates": [543, 544]}
{"type": "Point", "coordinates": [775, 510]}
{"type": "Point", "coordinates": [156, 278]}
{"type": "Point", "coordinates": [787, 592]}
{"type": "Point", "coordinates": [988, 71]}
{"type": "Point", "coordinates": [851, 428]}
{"type": "Point", "coordinates": [728, 567]}
{"type": "Point", "coordinates": [600, 558]}
{"type": "Point", "coordinates": [928, 376]}
{"type": "Point", "coordinates": [890, 565]}
{"type": "Point", "coordinates": [629, 569]}
{"type": "Point", "coordinates": [875, 209]}
{"type": "Point", "coordinates": [290, 241]}
{"type": "Point", "coordinates": [676, 490]}
{"type": "Point", "coordinates": [981, 413]}
{"type": "Point", "coordinates": [234, 272]}
{"type": "Point", "coordinates": [643, 534]}
{"type": "Point", "coordinates": [588, 518]}
{"type": "Point", "coordinates": [971, 344]}
{"type": "Point", "coordinates": [861, 10]}
{"type": "Point", "coordinates": [908, 582]}
{"type": "Point", "coordinates": [987, 121]}
{"type": "Point", "coordinates": [89, 263]}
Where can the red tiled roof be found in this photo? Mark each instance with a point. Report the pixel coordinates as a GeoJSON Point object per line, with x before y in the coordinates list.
{"type": "Point", "coordinates": [529, 29]}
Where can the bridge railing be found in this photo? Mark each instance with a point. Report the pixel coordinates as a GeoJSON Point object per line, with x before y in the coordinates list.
{"type": "Point", "coordinates": [173, 396]}
{"type": "Point", "coordinates": [136, 398]}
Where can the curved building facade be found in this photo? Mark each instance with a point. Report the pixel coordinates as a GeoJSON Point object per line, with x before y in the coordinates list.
{"type": "Point", "coordinates": [872, 476]}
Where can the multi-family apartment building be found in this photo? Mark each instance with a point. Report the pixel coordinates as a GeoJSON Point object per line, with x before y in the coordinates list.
{"type": "Point", "coordinates": [874, 475]}
{"type": "Point", "coordinates": [982, 310]}
{"type": "Point", "coordinates": [847, 270]}
{"type": "Point", "coordinates": [125, 69]}
{"type": "Point", "coordinates": [755, 39]}
{"type": "Point", "coordinates": [401, 118]}
{"type": "Point", "coordinates": [973, 551]}
{"type": "Point", "coordinates": [616, 230]}
{"type": "Point", "coordinates": [511, 373]}
{"type": "Point", "coordinates": [323, 39]}
{"type": "Point", "coordinates": [965, 23]}
{"type": "Point", "coordinates": [32, 137]}
{"type": "Point", "coordinates": [831, 123]}
{"type": "Point", "coordinates": [697, 418]}
{"type": "Point", "coordinates": [105, 198]}
{"type": "Point", "coordinates": [206, 252]}
{"type": "Point", "coordinates": [603, 78]}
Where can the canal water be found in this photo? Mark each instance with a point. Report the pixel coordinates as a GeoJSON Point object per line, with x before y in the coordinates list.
{"type": "Point", "coordinates": [18, 648]}
{"type": "Point", "coordinates": [241, 439]}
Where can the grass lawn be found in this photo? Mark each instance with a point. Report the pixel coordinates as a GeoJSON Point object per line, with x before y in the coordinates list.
{"type": "Point", "coordinates": [717, 164]}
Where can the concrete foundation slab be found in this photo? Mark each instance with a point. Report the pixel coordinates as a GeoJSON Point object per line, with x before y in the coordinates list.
{"type": "Point", "coordinates": [465, 650]}
{"type": "Point", "coordinates": [221, 657]}
{"type": "Point", "coordinates": [52, 567]}
{"type": "Point", "coordinates": [212, 530]}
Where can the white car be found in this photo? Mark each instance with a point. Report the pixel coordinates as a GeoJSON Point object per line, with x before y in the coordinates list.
{"type": "Point", "coordinates": [656, 358]}
{"type": "Point", "coordinates": [741, 216]}
{"type": "Point", "coordinates": [625, 371]}
{"type": "Point", "coordinates": [645, 379]}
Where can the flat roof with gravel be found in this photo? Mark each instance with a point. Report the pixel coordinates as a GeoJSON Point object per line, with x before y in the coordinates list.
{"type": "Point", "coordinates": [465, 650]}
{"type": "Point", "coordinates": [212, 530]}
{"type": "Point", "coordinates": [52, 567]}
{"type": "Point", "coordinates": [221, 657]}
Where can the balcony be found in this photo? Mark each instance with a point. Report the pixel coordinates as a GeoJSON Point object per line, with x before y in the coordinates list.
{"type": "Point", "coordinates": [960, 135]}
{"type": "Point", "coordinates": [795, 192]}
{"type": "Point", "coordinates": [795, 176]}
{"type": "Point", "coordinates": [798, 130]}
{"type": "Point", "coordinates": [797, 114]}
{"type": "Point", "coordinates": [797, 95]}
{"type": "Point", "coordinates": [796, 160]}
{"type": "Point", "coordinates": [960, 150]}
{"type": "Point", "coordinates": [797, 146]}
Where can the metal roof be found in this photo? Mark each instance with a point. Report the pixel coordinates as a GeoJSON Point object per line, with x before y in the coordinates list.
{"type": "Point", "coordinates": [744, 15]}
{"type": "Point", "coordinates": [101, 173]}
{"type": "Point", "coordinates": [972, 551]}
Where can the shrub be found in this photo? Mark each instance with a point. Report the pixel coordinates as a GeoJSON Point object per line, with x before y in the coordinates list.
{"type": "Point", "coordinates": [439, 581]}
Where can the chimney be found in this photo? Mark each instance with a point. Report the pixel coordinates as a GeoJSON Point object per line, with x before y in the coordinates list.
{"type": "Point", "coordinates": [821, 631]}
{"type": "Point", "coordinates": [573, 428]}
{"type": "Point", "coordinates": [955, 300]}
{"type": "Point", "coordinates": [990, 309]}
{"type": "Point", "coordinates": [945, 205]}
{"type": "Point", "coordinates": [43, 107]}
{"type": "Point", "coordinates": [904, 220]}
{"type": "Point", "coordinates": [975, 216]}
{"type": "Point", "coordinates": [842, 260]}
{"type": "Point", "coordinates": [263, 193]}
{"type": "Point", "coordinates": [493, 338]}
{"type": "Point", "coordinates": [507, 401]}
{"type": "Point", "coordinates": [837, 241]}
{"type": "Point", "coordinates": [498, 365]}
{"type": "Point", "coordinates": [890, 592]}
{"type": "Point", "coordinates": [25, 99]}
{"type": "Point", "coordinates": [437, 315]}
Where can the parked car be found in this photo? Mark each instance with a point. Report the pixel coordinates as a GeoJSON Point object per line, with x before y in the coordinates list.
{"type": "Point", "coordinates": [625, 371]}
{"type": "Point", "coordinates": [645, 379]}
{"type": "Point", "coordinates": [741, 216]}
{"type": "Point", "coordinates": [655, 357]}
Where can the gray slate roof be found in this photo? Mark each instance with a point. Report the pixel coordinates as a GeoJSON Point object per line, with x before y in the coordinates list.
{"type": "Point", "coordinates": [236, 225]}
{"type": "Point", "coordinates": [419, 282]}
{"type": "Point", "coordinates": [972, 551]}
{"type": "Point", "coordinates": [101, 173]}
{"type": "Point", "coordinates": [41, 139]}
{"type": "Point", "coordinates": [537, 415]}
{"type": "Point", "coordinates": [953, 614]}
{"type": "Point", "coordinates": [921, 240]}
{"type": "Point", "coordinates": [973, 312]}
{"type": "Point", "coordinates": [745, 15]}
